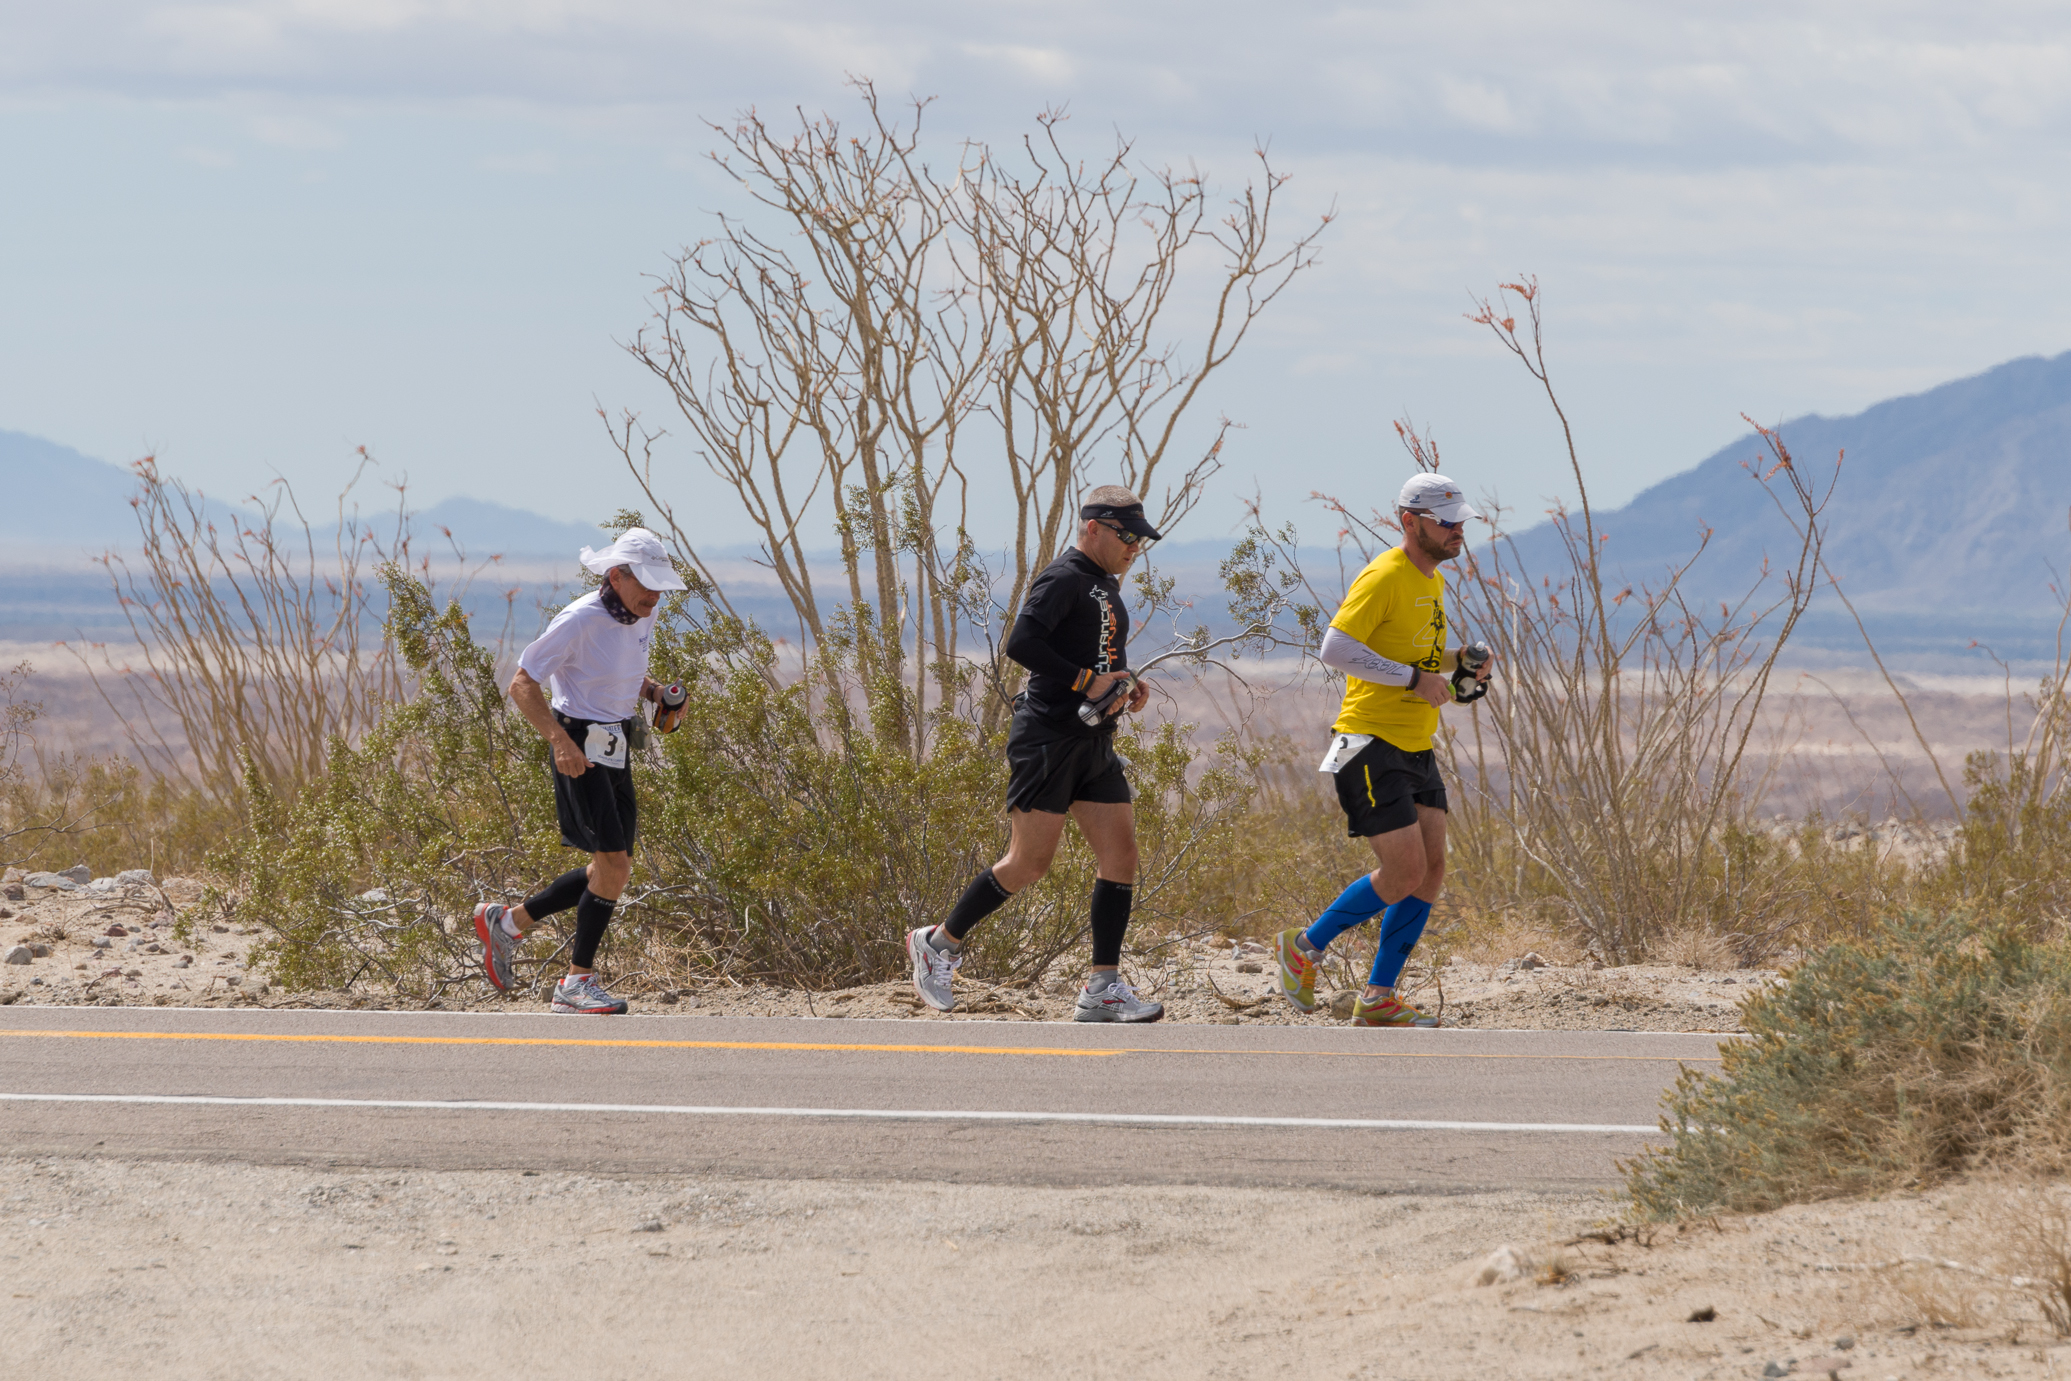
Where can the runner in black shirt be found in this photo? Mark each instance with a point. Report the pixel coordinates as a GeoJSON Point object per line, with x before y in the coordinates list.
{"type": "Point", "coordinates": [1072, 635]}
{"type": "Point", "coordinates": [1072, 622]}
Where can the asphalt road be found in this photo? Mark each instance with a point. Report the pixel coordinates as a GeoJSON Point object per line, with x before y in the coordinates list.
{"type": "Point", "coordinates": [907, 1100]}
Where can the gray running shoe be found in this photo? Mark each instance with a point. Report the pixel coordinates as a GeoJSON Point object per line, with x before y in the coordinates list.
{"type": "Point", "coordinates": [933, 970]}
{"type": "Point", "coordinates": [1116, 1002]}
{"type": "Point", "coordinates": [498, 945]}
{"type": "Point", "coordinates": [581, 992]}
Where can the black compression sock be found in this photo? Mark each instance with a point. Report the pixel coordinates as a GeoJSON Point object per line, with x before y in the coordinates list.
{"type": "Point", "coordinates": [558, 895]}
{"type": "Point", "coordinates": [592, 914]}
{"type": "Point", "coordinates": [1110, 919]}
{"type": "Point", "coordinates": [983, 897]}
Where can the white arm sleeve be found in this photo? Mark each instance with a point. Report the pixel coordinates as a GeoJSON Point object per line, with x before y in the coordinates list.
{"type": "Point", "coordinates": [1343, 652]}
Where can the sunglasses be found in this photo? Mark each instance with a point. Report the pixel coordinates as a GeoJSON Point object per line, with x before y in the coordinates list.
{"type": "Point", "coordinates": [1128, 538]}
{"type": "Point", "coordinates": [1449, 527]}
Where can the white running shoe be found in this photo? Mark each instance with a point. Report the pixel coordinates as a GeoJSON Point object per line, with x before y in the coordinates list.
{"type": "Point", "coordinates": [933, 970]}
{"type": "Point", "coordinates": [1116, 1002]}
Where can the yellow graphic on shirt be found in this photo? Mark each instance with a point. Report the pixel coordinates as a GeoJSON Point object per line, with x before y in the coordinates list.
{"type": "Point", "coordinates": [1399, 612]}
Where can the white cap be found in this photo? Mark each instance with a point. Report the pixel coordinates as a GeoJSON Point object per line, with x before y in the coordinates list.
{"type": "Point", "coordinates": [643, 551]}
{"type": "Point", "coordinates": [1438, 496]}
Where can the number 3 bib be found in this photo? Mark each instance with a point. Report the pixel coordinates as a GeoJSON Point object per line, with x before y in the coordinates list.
{"type": "Point", "coordinates": [605, 745]}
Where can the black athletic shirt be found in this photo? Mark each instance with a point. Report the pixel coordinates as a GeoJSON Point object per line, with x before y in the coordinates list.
{"type": "Point", "coordinates": [1072, 620]}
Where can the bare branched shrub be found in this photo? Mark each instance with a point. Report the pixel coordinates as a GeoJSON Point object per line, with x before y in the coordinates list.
{"type": "Point", "coordinates": [254, 647]}
{"type": "Point", "coordinates": [884, 334]}
{"type": "Point", "coordinates": [59, 808]}
{"type": "Point", "coordinates": [2014, 859]}
{"type": "Point", "coordinates": [780, 841]}
{"type": "Point", "coordinates": [18, 716]}
{"type": "Point", "coordinates": [1608, 775]}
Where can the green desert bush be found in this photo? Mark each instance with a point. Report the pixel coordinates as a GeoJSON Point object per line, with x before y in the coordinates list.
{"type": "Point", "coordinates": [1927, 1048]}
{"type": "Point", "coordinates": [782, 837]}
{"type": "Point", "coordinates": [371, 868]}
{"type": "Point", "coordinates": [2014, 859]}
{"type": "Point", "coordinates": [60, 808]}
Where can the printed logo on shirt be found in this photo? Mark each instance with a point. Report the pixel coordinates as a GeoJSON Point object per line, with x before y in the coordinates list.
{"type": "Point", "coordinates": [1432, 636]}
{"type": "Point", "coordinates": [1108, 651]}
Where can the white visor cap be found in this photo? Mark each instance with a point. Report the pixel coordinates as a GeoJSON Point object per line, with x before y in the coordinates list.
{"type": "Point", "coordinates": [1438, 496]}
{"type": "Point", "coordinates": [641, 550]}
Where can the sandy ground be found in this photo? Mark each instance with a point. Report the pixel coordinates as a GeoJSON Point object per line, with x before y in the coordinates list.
{"type": "Point", "coordinates": [1200, 980]}
{"type": "Point", "coordinates": [181, 1269]}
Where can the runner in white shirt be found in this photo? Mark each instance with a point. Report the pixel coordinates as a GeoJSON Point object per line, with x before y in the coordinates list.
{"type": "Point", "coordinates": [594, 654]}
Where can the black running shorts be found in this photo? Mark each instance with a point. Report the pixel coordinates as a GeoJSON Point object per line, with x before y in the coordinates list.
{"type": "Point", "coordinates": [1048, 771]}
{"type": "Point", "coordinates": [597, 810]}
{"type": "Point", "coordinates": [1382, 786]}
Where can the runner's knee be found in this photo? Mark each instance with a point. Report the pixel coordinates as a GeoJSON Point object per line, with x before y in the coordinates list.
{"type": "Point", "coordinates": [1023, 866]}
{"type": "Point", "coordinates": [1118, 862]}
{"type": "Point", "coordinates": [1399, 876]}
{"type": "Point", "coordinates": [609, 873]}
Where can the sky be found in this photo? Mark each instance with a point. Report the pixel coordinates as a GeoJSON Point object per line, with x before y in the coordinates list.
{"type": "Point", "coordinates": [251, 235]}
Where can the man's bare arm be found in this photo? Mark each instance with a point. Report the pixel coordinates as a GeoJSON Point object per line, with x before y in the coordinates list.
{"type": "Point", "coordinates": [532, 703]}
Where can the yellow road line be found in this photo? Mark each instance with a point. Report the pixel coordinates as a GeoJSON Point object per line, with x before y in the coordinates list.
{"type": "Point", "coordinates": [831, 1046]}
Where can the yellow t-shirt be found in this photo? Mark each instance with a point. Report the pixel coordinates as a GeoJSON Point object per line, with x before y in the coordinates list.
{"type": "Point", "coordinates": [1399, 612]}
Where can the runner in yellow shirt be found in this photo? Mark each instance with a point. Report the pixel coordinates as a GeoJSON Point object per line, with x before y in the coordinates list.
{"type": "Point", "coordinates": [1388, 637]}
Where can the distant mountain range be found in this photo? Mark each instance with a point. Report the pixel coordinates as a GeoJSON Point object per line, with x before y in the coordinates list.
{"type": "Point", "coordinates": [1951, 520]}
{"type": "Point", "coordinates": [63, 503]}
{"type": "Point", "coordinates": [1949, 525]}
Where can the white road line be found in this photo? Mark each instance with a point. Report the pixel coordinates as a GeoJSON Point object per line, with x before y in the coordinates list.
{"type": "Point", "coordinates": [1147, 1119]}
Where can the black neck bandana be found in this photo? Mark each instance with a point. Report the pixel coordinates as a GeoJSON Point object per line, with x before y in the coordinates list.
{"type": "Point", "coordinates": [613, 605]}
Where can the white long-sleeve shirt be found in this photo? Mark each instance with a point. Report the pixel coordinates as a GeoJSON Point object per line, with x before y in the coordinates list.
{"type": "Point", "coordinates": [1343, 652]}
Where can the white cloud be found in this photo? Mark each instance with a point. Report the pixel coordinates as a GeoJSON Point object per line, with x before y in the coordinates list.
{"type": "Point", "coordinates": [1036, 64]}
{"type": "Point", "coordinates": [1778, 204]}
{"type": "Point", "coordinates": [1761, 79]}
{"type": "Point", "coordinates": [295, 132]}
{"type": "Point", "coordinates": [1477, 105]}
{"type": "Point", "coordinates": [537, 163]}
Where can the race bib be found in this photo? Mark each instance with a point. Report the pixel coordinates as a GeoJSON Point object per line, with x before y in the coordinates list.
{"type": "Point", "coordinates": [605, 745]}
{"type": "Point", "coordinates": [1344, 748]}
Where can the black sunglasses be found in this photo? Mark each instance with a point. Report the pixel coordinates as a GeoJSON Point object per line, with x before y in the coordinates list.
{"type": "Point", "coordinates": [1129, 539]}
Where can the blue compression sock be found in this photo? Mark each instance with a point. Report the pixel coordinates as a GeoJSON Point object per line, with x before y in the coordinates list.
{"type": "Point", "coordinates": [1355, 906]}
{"type": "Point", "coordinates": [1401, 928]}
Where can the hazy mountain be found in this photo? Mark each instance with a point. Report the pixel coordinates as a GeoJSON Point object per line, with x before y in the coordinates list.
{"type": "Point", "coordinates": [485, 528]}
{"type": "Point", "coordinates": [64, 508]}
{"type": "Point", "coordinates": [1951, 521]}
{"type": "Point", "coordinates": [59, 500]}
